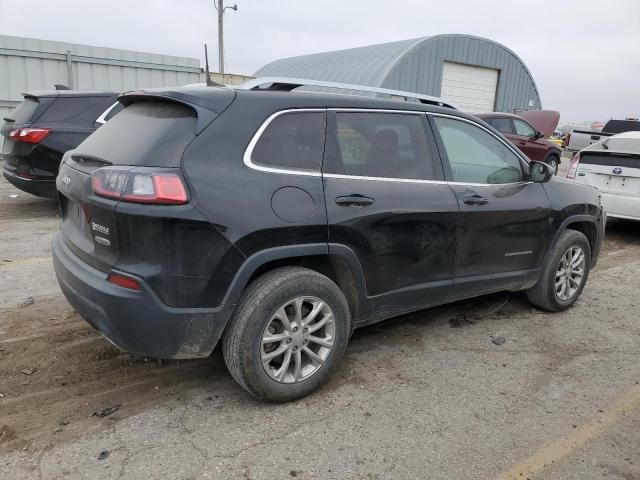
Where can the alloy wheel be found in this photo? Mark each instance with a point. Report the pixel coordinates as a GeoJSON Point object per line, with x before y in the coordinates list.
{"type": "Point", "coordinates": [570, 273]}
{"type": "Point", "coordinates": [297, 339]}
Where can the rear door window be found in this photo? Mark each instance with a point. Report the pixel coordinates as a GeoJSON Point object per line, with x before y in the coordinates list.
{"type": "Point", "coordinates": [501, 124]}
{"type": "Point", "coordinates": [384, 145]}
{"type": "Point", "coordinates": [475, 156]}
{"type": "Point", "coordinates": [292, 141]}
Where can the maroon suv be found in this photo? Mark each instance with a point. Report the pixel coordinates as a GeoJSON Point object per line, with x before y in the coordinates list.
{"type": "Point", "coordinates": [525, 136]}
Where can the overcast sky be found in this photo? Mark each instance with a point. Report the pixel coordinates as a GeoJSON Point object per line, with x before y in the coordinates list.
{"type": "Point", "coordinates": [584, 55]}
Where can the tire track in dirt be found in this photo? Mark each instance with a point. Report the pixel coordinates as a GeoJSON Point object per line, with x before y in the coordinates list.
{"type": "Point", "coordinates": [77, 372]}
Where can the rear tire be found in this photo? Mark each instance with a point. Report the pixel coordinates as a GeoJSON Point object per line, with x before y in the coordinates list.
{"type": "Point", "coordinates": [275, 315]}
{"type": "Point", "coordinates": [564, 276]}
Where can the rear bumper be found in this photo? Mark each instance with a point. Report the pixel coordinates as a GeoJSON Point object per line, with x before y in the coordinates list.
{"type": "Point", "coordinates": [621, 206]}
{"type": "Point", "coordinates": [137, 322]}
{"type": "Point", "coordinates": [39, 188]}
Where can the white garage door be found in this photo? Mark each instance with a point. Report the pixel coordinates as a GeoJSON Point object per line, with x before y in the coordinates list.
{"type": "Point", "coordinates": [470, 88]}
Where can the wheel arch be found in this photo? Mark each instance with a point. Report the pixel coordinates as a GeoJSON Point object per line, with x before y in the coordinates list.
{"type": "Point", "coordinates": [584, 224]}
{"type": "Point", "coordinates": [337, 262]}
{"type": "Point", "coordinates": [553, 152]}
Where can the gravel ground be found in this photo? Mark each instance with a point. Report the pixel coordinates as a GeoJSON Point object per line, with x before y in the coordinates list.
{"type": "Point", "coordinates": [427, 395]}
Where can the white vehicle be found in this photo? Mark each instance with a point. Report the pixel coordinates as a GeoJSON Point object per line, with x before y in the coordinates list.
{"type": "Point", "coordinates": [613, 166]}
{"type": "Point", "coordinates": [579, 139]}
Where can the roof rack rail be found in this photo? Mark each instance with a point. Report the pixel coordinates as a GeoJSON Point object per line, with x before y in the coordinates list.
{"type": "Point", "coordinates": [285, 84]}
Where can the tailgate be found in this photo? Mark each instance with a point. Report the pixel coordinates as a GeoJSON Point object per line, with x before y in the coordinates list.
{"type": "Point", "coordinates": [88, 222]}
{"type": "Point", "coordinates": [611, 172]}
{"type": "Point", "coordinates": [23, 116]}
{"type": "Point", "coordinates": [146, 133]}
{"type": "Point", "coordinates": [580, 139]}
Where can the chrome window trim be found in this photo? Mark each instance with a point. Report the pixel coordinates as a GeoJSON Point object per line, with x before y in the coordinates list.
{"type": "Point", "coordinates": [384, 179]}
{"type": "Point", "coordinates": [284, 171]}
{"type": "Point", "coordinates": [256, 137]}
{"type": "Point", "coordinates": [375, 110]}
{"type": "Point", "coordinates": [101, 118]}
{"type": "Point", "coordinates": [409, 180]}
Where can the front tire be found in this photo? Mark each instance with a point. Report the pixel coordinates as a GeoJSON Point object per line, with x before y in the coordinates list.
{"type": "Point", "coordinates": [553, 161]}
{"type": "Point", "coordinates": [565, 274]}
{"type": "Point", "coordinates": [288, 333]}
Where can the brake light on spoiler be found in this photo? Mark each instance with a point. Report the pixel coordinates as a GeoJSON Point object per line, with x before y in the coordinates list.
{"type": "Point", "coordinates": [137, 186]}
{"type": "Point", "coordinates": [29, 135]}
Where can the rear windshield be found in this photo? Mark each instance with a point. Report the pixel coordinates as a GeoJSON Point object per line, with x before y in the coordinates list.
{"type": "Point", "coordinates": [73, 110]}
{"type": "Point", "coordinates": [24, 111]}
{"type": "Point", "coordinates": [610, 159]}
{"type": "Point", "coordinates": [148, 133]}
{"type": "Point", "coordinates": [620, 126]}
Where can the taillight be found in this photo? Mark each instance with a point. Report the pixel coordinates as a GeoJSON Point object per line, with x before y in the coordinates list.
{"type": "Point", "coordinates": [135, 186]}
{"type": "Point", "coordinates": [29, 135]}
{"type": "Point", "coordinates": [124, 281]}
{"type": "Point", "coordinates": [109, 182]}
{"type": "Point", "coordinates": [573, 166]}
{"type": "Point", "coordinates": [166, 188]}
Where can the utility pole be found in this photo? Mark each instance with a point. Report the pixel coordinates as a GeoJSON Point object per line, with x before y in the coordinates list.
{"type": "Point", "coordinates": [221, 8]}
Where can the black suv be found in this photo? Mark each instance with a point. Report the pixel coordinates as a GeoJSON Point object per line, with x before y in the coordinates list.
{"type": "Point", "coordinates": [43, 127]}
{"type": "Point", "coordinates": [280, 221]}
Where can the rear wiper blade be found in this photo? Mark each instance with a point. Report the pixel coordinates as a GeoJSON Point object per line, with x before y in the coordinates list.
{"type": "Point", "coordinates": [9, 120]}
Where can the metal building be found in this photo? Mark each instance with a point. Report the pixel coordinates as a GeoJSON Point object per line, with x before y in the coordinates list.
{"type": "Point", "coordinates": [31, 64]}
{"type": "Point", "coordinates": [475, 74]}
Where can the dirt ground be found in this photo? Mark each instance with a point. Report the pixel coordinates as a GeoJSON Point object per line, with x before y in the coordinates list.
{"type": "Point", "coordinates": [428, 395]}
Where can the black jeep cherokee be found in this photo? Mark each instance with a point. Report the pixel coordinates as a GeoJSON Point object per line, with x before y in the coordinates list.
{"type": "Point", "coordinates": [279, 221]}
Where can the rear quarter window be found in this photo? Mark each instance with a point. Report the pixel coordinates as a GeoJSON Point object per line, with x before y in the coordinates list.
{"type": "Point", "coordinates": [501, 124]}
{"type": "Point", "coordinates": [292, 141]}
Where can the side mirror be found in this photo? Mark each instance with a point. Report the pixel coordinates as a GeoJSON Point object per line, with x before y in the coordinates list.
{"type": "Point", "coordinates": [538, 134]}
{"type": "Point", "coordinates": [540, 172]}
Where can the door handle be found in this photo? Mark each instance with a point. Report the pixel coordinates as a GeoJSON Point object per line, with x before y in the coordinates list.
{"type": "Point", "coordinates": [522, 142]}
{"type": "Point", "coordinates": [475, 200]}
{"type": "Point", "coordinates": [355, 200]}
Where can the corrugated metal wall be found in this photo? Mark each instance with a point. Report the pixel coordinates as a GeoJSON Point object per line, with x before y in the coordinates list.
{"type": "Point", "coordinates": [31, 64]}
{"type": "Point", "coordinates": [225, 78]}
{"type": "Point", "coordinates": [416, 66]}
{"type": "Point", "coordinates": [420, 69]}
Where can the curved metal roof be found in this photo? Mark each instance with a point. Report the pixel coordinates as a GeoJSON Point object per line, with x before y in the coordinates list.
{"type": "Point", "coordinates": [410, 64]}
{"type": "Point", "coordinates": [361, 65]}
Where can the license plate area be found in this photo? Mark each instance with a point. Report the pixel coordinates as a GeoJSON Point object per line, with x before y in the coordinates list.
{"type": "Point", "coordinates": [75, 224]}
{"type": "Point", "coordinates": [617, 184]}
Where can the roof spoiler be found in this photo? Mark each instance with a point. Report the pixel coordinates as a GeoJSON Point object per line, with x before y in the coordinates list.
{"type": "Point", "coordinates": [284, 84]}
{"type": "Point", "coordinates": [207, 109]}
